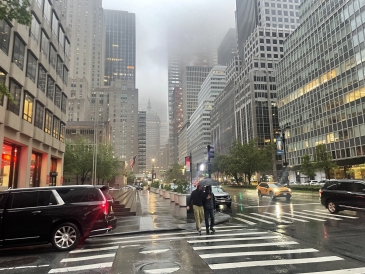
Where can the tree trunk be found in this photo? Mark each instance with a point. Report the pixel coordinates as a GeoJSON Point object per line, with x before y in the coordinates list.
{"type": "Point", "coordinates": [236, 177]}
{"type": "Point", "coordinates": [77, 179]}
{"type": "Point", "coordinates": [249, 178]}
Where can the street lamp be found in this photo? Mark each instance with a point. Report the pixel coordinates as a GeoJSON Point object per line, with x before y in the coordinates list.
{"type": "Point", "coordinates": [282, 131]}
{"type": "Point", "coordinates": [153, 167]}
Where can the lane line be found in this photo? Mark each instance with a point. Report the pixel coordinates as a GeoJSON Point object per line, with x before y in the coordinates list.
{"type": "Point", "coordinates": [275, 262]}
{"type": "Point", "coordinates": [311, 214]}
{"type": "Point", "coordinates": [329, 214]}
{"type": "Point", "coordinates": [233, 239]}
{"type": "Point", "coordinates": [257, 253]}
{"type": "Point", "coordinates": [156, 251]}
{"type": "Point", "coordinates": [99, 249]}
{"type": "Point", "coordinates": [81, 267]}
{"type": "Point", "coordinates": [360, 270]}
{"type": "Point", "coordinates": [245, 221]}
{"type": "Point", "coordinates": [245, 245]}
{"type": "Point", "coordinates": [257, 219]}
{"type": "Point", "coordinates": [305, 217]}
{"type": "Point", "coordinates": [161, 270]}
{"type": "Point", "coordinates": [272, 218]}
{"type": "Point", "coordinates": [284, 205]}
{"type": "Point", "coordinates": [24, 267]}
{"type": "Point", "coordinates": [67, 260]}
{"type": "Point", "coordinates": [290, 218]}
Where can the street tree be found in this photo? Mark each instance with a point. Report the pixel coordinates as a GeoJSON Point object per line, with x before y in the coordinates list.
{"type": "Point", "coordinates": [323, 160]}
{"type": "Point", "coordinates": [107, 164]}
{"type": "Point", "coordinates": [130, 177]}
{"type": "Point", "coordinates": [175, 173]}
{"type": "Point", "coordinates": [308, 168]}
{"type": "Point", "coordinates": [218, 165]}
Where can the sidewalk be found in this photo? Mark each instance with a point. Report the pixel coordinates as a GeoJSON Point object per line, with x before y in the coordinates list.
{"type": "Point", "coordinates": [156, 214]}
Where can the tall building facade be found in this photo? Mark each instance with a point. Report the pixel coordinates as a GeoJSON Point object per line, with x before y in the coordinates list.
{"type": "Point", "coordinates": [176, 124]}
{"type": "Point", "coordinates": [321, 93]}
{"type": "Point", "coordinates": [198, 133]}
{"type": "Point", "coordinates": [227, 50]}
{"type": "Point", "coordinates": [153, 128]}
{"type": "Point", "coordinates": [142, 126]}
{"type": "Point", "coordinates": [34, 66]}
{"type": "Point", "coordinates": [86, 21]}
{"type": "Point", "coordinates": [120, 46]}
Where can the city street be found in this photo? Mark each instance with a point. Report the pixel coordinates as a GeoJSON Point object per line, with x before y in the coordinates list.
{"type": "Point", "coordinates": [263, 236]}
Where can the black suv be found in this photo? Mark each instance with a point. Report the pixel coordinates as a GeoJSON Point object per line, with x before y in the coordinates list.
{"type": "Point", "coordinates": [338, 195]}
{"type": "Point", "coordinates": [62, 215]}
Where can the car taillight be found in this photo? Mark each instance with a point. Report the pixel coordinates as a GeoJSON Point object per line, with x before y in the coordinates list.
{"type": "Point", "coordinates": [320, 192]}
{"type": "Point", "coordinates": [105, 206]}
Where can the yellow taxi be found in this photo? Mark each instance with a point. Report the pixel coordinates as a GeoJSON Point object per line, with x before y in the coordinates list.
{"type": "Point", "coordinates": [273, 190]}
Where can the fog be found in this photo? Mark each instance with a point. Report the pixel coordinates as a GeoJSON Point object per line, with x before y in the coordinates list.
{"type": "Point", "coordinates": [162, 23]}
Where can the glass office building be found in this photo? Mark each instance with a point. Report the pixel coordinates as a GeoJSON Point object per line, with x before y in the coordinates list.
{"type": "Point", "coordinates": [320, 83]}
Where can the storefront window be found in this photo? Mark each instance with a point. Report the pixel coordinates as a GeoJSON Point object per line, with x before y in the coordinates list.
{"type": "Point", "coordinates": [35, 170]}
{"type": "Point", "coordinates": [9, 166]}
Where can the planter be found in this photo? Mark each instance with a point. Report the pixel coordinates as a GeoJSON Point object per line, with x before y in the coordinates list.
{"type": "Point", "coordinates": [176, 198]}
{"type": "Point", "coordinates": [160, 191]}
{"type": "Point", "coordinates": [172, 196]}
{"type": "Point", "coordinates": [166, 194]}
{"type": "Point", "coordinates": [152, 189]}
{"type": "Point", "coordinates": [182, 199]}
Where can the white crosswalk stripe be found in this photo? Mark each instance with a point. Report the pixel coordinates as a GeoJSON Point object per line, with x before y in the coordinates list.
{"type": "Point", "coordinates": [272, 218]}
{"type": "Point", "coordinates": [311, 214]}
{"type": "Point", "coordinates": [81, 267]}
{"type": "Point", "coordinates": [360, 270]}
{"type": "Point", "coordinates": [246, 245]}
{"type": "Point", "coordinates": [245, 221]}
{"type": "Point", "coordinates": [305, 217]}
{"type": "Point", "coordinates": [257, 219]}
{"type": "Point", "coordinates": [329, 214]}
{"type": "Point", "coordinates": [289, 218]}
{"type": "Point", "coordinates": [233, 239]}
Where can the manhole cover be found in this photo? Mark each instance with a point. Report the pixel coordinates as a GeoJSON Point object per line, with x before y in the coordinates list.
{"type": "Point", "coordinates": [153, 250]}
{"type": "Point", "coordinates": [159, 268]}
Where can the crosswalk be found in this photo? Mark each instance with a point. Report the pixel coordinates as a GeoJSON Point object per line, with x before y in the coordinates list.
{"type": "Point", "coordinates": [302, 216]}
{"type": "Point", "coordinates": [237, 247]}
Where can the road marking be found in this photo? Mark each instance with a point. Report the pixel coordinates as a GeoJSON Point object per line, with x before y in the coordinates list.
{"type": "Point", "coordinates": [341, 271]}
{"type": "Point", "coordinates": [246, 245]}
{"type": "Point", "coordinates": [258, 253]}
{"type": "Point", "coordinates": [275, 262]}
{"type": "Point", "coordinates": [67, 260]}
{"type": "Point", "coordinates": [305, 217]}
{"type": "Point", "coordinates": [329, 214]}
{"type": "Point", "coordinates": [290, 218]}
{"type": "Point", "coordinates": [233, 239]}
{"type": "Point", "coordinates": [245, 221]}
{"type": "Point", "coordinates": [179, 238]}
{"type": "Point", "coordinates": [99, 249]}
{"type": "Point", "coordinates": [161, 270]}
{"type": "Point", "coordinates": [257, 219]}
{"type": "Point", "coordinates": [23, 267]}
{"type": "Point", "coordinates": [272, 218]}
{"type": "Point", "coordinates": [328, 217]}
{"type": "Point", "coordinates": [285, 205]}
{"type": "Point", "coordinates": [81, 267]}
{"type": "Point", "coordinates": [156, 251]}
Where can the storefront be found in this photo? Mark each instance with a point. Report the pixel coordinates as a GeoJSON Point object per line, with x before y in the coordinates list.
{"type": "Point", "coordinates": [35, 170]}
{"type": "Point", "coordinates": [9, 165]}
{"type": "Point", "coordinates": [53, 172]}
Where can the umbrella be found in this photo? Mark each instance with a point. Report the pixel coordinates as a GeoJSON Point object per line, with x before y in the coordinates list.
{"type": "Point", "coordinates": [208, 182]}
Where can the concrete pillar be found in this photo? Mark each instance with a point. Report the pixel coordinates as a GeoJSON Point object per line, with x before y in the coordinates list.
{"type": "Point", "coordinates": [60, 172]}
{"type": "Point", "coordinates": [46, 165]}
{"type": "Point", "coordinates": [24, 165]}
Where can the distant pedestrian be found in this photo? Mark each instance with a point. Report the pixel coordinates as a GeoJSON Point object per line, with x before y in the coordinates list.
{"type": "Point", "coordinates": [196, 200]}
{"type": "Point", "coordinates": [209, 207]}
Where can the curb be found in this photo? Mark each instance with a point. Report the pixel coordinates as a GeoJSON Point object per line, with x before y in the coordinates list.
{"type": "Point", "coordinates": [137, 232]}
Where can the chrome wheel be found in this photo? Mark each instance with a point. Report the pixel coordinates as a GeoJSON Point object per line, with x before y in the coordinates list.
{"type": "Point", "coordinates": [65, 237]}
{"type": "Point", "coordinates": [332, 207]}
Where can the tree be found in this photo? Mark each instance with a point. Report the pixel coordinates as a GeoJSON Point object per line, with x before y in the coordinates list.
{"type": "Point", "coordinates": [16, 10]}
{"type": "Point", "coordinates": [218, 165]}
{"type": "Point", "coordinates": [130, 177]}
{"type": "Point", "coordinates": [307, 167]}
{"type": "Point", "coordinates": [107, 165]}
{"type": "Point", "coordinates": [323, 160]}
{"type": "Point", "coordinates": [175, 173]}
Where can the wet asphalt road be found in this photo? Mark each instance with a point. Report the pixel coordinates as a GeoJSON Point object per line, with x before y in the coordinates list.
{"type": "Point", "coordinates": [300, 234]}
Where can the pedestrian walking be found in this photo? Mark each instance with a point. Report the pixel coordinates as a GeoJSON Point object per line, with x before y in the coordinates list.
{"type": "Point", "coordinates": [209, 207]}
{"type": "Point", "coordinates": [196, 200]}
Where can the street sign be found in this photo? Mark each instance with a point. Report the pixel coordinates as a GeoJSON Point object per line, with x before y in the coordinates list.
{"type": "Point", "coordinates": [279, 146]}
{"type": "Point", "coordinates": [187, 163]}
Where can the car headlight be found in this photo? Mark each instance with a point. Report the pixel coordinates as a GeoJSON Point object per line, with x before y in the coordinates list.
{"type": "Point", "coordinates": [229, 196]}
{"type": "Point", "coordinates": [289, 189]}
{"type": "Point", "coordinates": [276, 190]}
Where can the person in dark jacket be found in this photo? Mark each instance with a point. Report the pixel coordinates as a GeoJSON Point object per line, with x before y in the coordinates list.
{"type": "Point", "coordinates": [196, 200]}
{"type": "Point", "coordinates": [209, 207]}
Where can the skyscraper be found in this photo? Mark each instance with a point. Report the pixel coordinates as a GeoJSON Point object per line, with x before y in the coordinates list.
{"type": "Point", "coordinates": [227, 50]}
{"type": "Point", "coordinates": [120, 46]}
{"type": "Point", "coordinates": [153, 126]}
{"type": "Point", "coordinates": [141, 159]}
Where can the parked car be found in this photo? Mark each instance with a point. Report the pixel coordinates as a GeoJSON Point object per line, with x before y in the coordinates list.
{"type": "Point", "coordinates": [310, 183]}
{"type": "Point", "coordinates": [343, 194]}
{"type": "Point", "coordinates": [63, 215]}
{"type": "Point", "coordinates": [273, 190]}
{"type": "Point", "coordinates": [221, 197]}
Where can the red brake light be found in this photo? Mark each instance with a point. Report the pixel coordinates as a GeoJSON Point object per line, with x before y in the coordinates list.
{"type": "Point", "coordinates": [320, 192]}
{"type": "Point", "coordinates": [105, 205]}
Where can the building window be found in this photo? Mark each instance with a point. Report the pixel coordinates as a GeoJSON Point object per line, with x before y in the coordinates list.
{"type": "Point", "coordinates": [58, 95]}
{"type": "Point", "coordinates": [61, 37]}
{"type": "Point", "coordinates": [42, 78]}
{"type": "Point", "coordinates": [59, 67]}
{"type": "Point", "coordinates": [63, 103]}
{"type": "Point", "coordinates": [53, 57]}
{"type": "Point", "coordinates": [67, 48]}
{"type": "Point", "coordinates": [47, 11]}
{"type": "Point", "coordinates": [48, 122]}
{"type": "Point", "coordinates": [31, 67]}
{"type": "Point", "coordinates": [18, 52]}
{"type": "Point", "coordinates": [28, 107]}
{"type": "Point", "coordinates": [55, 25]}
{"type": "Point", "coordinates": [35, 29]}
{"type": "Point", "coordinates": [62, 132]}
{"type": "Point", "coordinates": [4, 36]}
{"type": "Point", "coordinates": [50, 88]}
{"type": "Point", "coordinates": [39, 3]}
{"type": "Point", "coordinates": [2, 80]}
{"type": "Point", "coordinates": [56, 127]}
{"type": "Point", "coordinates": [44, 43]}
{"type": "Point", "coordinates": [39, 114]}
{"type": "Point", "coordinates": [15, 91]}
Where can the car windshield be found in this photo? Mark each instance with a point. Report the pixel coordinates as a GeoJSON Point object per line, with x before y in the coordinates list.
{"type": "Point", "coordinates": [217, 189]}
{"type": "Point", "coordinates": [274, 185]}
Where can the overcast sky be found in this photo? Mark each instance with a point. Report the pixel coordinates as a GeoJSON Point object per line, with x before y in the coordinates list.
{"type": "Point", "coordinates": [159, 19]}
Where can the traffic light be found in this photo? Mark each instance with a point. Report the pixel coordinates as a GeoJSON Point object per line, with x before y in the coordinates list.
{"type": "Point", "coordinates": [153, 175]}
{"type": "Point", "coordinates": [210, 152]}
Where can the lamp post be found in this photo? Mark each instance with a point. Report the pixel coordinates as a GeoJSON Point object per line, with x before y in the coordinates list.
{"type": "Point", "coordinates": [153, 167]}
{"type": "Point", "coordinates": [282, 131]}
